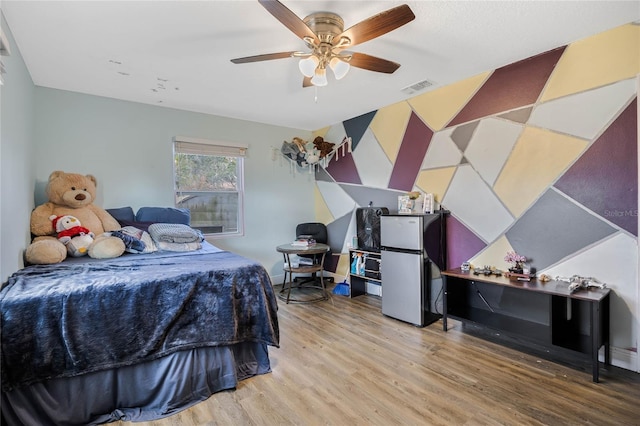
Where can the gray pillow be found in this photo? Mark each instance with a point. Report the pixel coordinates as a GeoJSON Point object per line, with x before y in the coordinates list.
{"type": "Point", "coordinates": [174, 233]}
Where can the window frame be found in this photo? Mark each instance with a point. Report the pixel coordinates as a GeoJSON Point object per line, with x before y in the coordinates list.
{"type": "Point", "coordinates": [183, 144]}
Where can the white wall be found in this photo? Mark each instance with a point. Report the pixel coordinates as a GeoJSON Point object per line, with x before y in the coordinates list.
{"type": "Point", "coordinates": [128, 147]}
{"type": "Point", "coordinates": [17, 105]}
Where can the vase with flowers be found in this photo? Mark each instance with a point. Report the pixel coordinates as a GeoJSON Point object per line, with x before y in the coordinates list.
{"type": "Point", "coordinates": [516, 260]}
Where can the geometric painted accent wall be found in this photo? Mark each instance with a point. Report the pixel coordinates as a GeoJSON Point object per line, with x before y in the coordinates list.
{"type": "Point", "coordinates": [539, 156]}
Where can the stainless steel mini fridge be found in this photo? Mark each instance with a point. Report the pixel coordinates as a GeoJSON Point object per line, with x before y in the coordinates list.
{"type": "Point", "coordinates": [406, 244]}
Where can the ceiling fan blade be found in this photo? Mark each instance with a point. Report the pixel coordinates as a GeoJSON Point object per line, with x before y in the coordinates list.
{"type": "Point", "coordinates": [289, 19]}
{"type": "Point", "coordinates": [306, 82]}
{"type": "Point", "coordinates": [378, 25]}
{"type": "Point", "coordinates": [265, 57]}
{"type": "Point", "coordinates": [372, 63]}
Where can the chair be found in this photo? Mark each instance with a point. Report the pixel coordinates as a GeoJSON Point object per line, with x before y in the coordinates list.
{"type": "Point", "coordinates": [317, 231]}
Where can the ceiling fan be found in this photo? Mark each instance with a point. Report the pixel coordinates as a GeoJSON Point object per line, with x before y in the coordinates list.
{"type": "Point", "coordinates": [324, 35]}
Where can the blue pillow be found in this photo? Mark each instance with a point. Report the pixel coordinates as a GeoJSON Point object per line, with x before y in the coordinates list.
{"type": "Point", "coordinates": [163, 215]}
{"type": "Point", "coordinates": [122, 214]}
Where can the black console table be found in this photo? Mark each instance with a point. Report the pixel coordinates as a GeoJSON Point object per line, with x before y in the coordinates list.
{"type": "Point", "coordinates": [544, 312]}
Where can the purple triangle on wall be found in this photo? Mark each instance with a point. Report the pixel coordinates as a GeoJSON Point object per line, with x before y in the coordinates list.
{"type": "Point", "coordinates": [415, 143]}
{"type": "Point", "coordinates": [605, 178]}
{"type": "Point", "coordinates": [343, 169]}
{"type": "Point", "coordinates": [462, 244]}
{"type": "Point", "coordinates": [512, 86]}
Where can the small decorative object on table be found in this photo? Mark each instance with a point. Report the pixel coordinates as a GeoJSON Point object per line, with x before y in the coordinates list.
{"type": "Point", "coordinates": [577, 282]}
{"type": "Point", "coordinates": [516, 260]}
{"type": "Point", "coordinates": [487, 271]}
{"type": "Point", "coordinates": [519, 270]}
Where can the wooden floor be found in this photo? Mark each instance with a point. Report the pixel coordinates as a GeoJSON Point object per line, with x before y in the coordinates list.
{"type": "Point", "coordinates": [342, 362]}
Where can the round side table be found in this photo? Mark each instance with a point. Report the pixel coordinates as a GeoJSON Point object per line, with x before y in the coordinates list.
{"type": "Point", "coordinates": [287, 250]}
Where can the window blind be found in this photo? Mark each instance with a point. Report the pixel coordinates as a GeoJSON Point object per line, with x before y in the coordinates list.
{"type": "Point", "coordinates": [205, 147]}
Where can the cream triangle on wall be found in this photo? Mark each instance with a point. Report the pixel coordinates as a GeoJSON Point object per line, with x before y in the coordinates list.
{"type": "Point", "coordinates": [440, 106]}
{"type": "Point", "coordinates": [493, 254]}
{"type": "Point", "coordinates": [595, 61]}
{"type": "Point", "coordinates": [435, 181]}
{"type": "Point", "coordinates": [389, 125]}
{"type": "Point", "coordinates": [538, 158]}
{"type": "Point", "coordinates": [322, 212]}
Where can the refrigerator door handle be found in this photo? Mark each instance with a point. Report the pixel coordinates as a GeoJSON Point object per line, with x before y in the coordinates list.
{"type": "Point", "coordinates": [401, 250]}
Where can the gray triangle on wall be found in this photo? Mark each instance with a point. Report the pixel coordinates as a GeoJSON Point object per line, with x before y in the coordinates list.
{"type": "Point", "coordinates": [461, 135]}
{"type": "Point", "coordinates": [519, 115]}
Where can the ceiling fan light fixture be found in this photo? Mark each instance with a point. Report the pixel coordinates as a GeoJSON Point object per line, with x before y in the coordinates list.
{"type": "Point", "coordinates": [326, 38]}
{"type": "Point", "coordinates": [320, 77]}
{"type": "Point", "coordinates": [308, 66]}
{"type": "Point", "coordinates": [339, 67]}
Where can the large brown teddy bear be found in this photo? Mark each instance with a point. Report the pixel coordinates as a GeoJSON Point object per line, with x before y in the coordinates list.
{"type": "Point", "coordinates": [71, 194]}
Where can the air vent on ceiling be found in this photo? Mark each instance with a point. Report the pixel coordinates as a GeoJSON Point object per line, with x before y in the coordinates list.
{"type": "Point", "coordinates": [417, 87]}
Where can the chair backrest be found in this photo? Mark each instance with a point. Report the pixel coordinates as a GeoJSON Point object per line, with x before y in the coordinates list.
{"type": "Point", "coordinates": [317, 230]}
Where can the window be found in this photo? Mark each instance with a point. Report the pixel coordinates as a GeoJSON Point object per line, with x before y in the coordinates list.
{"type": "Point", "coordinates": [208, 180]}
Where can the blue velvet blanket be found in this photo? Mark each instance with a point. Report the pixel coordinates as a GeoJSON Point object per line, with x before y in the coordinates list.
{"type": "Point", "coordinates": [85, 315]}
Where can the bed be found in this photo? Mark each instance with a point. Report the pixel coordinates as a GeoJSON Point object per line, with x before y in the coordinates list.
{"type": "Point", "coordinates": [135, 338]}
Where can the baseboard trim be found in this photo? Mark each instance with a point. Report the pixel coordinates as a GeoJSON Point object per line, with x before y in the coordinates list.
{"type": "Point", "coordinates": [623, 358]}
{"type": "Point", "coordinates": [373, 289]}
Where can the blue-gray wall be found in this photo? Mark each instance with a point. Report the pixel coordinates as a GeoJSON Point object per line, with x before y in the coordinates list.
{"type": "Point", "coordinates": [128, 147]}
{"type": "Point", "coordinates": [17, 175]}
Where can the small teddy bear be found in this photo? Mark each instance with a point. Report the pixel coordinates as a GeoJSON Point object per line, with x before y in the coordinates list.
{"type": "Point", "coordinates": [323, 146]}
{"type": "Point", "coordinates": [72, 234]}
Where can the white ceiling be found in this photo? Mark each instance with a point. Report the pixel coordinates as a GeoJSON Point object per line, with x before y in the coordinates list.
{"type": "Point", "coordinates": [177, 53]}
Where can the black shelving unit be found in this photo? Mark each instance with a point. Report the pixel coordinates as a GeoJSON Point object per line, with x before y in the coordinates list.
{"type": "Point", "coordinates": [357, 282]}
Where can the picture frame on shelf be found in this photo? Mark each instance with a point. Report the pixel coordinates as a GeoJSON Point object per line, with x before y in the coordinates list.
{"type": "Point", "coordinates": [405, 204]}
{"type": "Point", "coordinates": [428, 204]}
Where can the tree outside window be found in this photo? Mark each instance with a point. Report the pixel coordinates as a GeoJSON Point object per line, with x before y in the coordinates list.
{"type": "Point", "coordinates": [209, 182]}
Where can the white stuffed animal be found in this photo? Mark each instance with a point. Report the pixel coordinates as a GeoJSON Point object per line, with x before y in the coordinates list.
{"type": "Point", "coordinates": [72, 234]}
{"type": "Point", "coordinates": [312, 156]}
